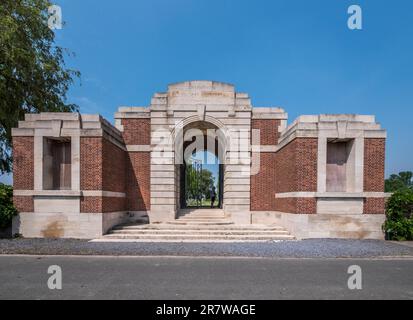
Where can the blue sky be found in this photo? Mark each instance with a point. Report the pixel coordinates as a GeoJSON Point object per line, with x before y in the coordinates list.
{"type": "Point", "coordinates": [297, 54]}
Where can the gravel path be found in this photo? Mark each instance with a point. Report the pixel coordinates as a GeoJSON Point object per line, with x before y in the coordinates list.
{"type": "Point", "coordinates": [317, 248]}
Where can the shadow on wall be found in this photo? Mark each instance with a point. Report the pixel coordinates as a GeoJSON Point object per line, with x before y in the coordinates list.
{"type": "Point", "coordinates": [138, 181]}
{"type": "Point", "coordinates": [6, 233]}
{"type": "Point", "coordinates": [12, 230]}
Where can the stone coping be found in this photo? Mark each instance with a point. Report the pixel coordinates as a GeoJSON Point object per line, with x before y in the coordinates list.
{"type": "Point", "coordinates": [48, 193]}
{"type": "Point", "coordinates": [133, 112]}
{"type": "Point", "coordinates": [66, 125]}
{"type": "Point", "coordinates": [334, 126]}
{"type": "Point", "coordinates": [269, 113]}
{"type": "Point", "coordinates": [68, 193]}
{"type": "Point", "coordinates": [332, 195]}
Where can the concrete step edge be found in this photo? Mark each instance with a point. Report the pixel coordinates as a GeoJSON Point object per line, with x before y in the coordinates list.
{"type": "Point", "coordinates": [197, 227]}
{"type": "Point", "coordinates": [163, 237]}
{"type": "Point", "coordinates": [198, 232]}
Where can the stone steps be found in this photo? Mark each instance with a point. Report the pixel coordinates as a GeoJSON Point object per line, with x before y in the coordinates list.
{"type": "Point", "coordinates": [197, 211]}
{"type": "Point", "coordinates": [198, 232]}
{"type": "Point", "coordinates": [201, 217]}
{"type": "Point", "coordinates": [201, 222]}
{"type": "Point", "coordinates": [201, 225]}
{"type": "Point", "coordinates": [201, 232]}
{"type": "Point", "coordinates": [195, 237]}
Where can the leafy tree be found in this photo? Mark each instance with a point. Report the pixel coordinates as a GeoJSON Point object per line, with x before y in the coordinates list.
{"type": "Point", "coordinates": [7, 210]}
{"type": "Point", "coordinates": [403, 180]}
{"type": "Point", "coordinates": [33, 74]}
{"type": "Point", "coordinates": [198, 184]}
{"type": "Point", "coordinates": [399, 213]}
{"type": "Point", "coordinates": [206, 183]}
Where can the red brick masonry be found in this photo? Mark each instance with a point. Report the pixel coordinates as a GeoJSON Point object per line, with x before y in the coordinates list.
{"type": "Point", "coordinates": [291, 169]}
{"type": "Point", "coordinates": [138, 181]}
{"type": "Point", "coordinates": [23, 171]}
{"type": "Point", "coordinates": [374, 164]}
{"type": "Point", "coordinates": [268, 131]}
{"type": "Point", "coordinates": [91, 163]}
{"type": "Point", "coordinates": [138, 164]}
{"type": "Point", "coordinates": [102, 204]}
{"type": "Point", "coordinates": [23, 163]}
{"type": "Point", "coordinates": [102, 168]}
{"type": "Point", "coordinates": [296, 171]}
{"type": "Point", "coordinates": [23, 204]}
{"type": "Point", "coordinates": [297, 205]}
{"type": "Point", "coordinates": [114, 166]}
{"type": "Point", "coordinates": [136, 131]}
{"type": "Point", "coordinates": [262, 184]}
{"type": "Point", "coordinates": [374, 158]}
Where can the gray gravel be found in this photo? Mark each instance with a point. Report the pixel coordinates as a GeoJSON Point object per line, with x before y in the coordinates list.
{"type": "Point", "coordinates": [315, 248]}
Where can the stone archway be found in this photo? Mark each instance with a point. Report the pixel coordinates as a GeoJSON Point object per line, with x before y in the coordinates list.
{"type": "Point", "coordinates": [191, 136]}
{"type": "Point", "coordinates": [191, 104]}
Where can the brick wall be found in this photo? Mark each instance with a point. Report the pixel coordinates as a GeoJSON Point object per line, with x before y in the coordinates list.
{"type": "Point", "coordinates": [291, 169]}
{"type": "Point", "coordinates": [102, 168]}
{"type": "Point", "coordinates": [297, 205]}
{"type": "Point", "coordinates": [23, 171]}
{"type": "Point", "coordinates": [296, 166]}
{"type": "Point", "coordinates": [374, 157]}
{"type": "Point", "coordinates": [296, 171]}
{"type": "Point", "coordinates": [306, 164]}
{"type": "Point", "coordinates": [91, 163]}
{"type": "Point", "coordinates": [114, 161]}
{"type": "Point", "coordinates": [285, 162]}
{"type": "Point", "coordinates": [102, 204]}
{"type": "Point", "coordinates": [374, 166]}
{"type": "Point", "coordinates": [91, 205]}
{"type": "Point", "coordinates": [138, 166]}
{"type": "Point", "coordinates": [374, 206]}
{"type": "Point", "coordinates": [268, 130]}
{"type": "Point", "coordinates": [262, 184]}
{"type": "Point", "coordinates": [23, 163]}
{"type": "Point", "coordinates": [23, 204]}
{"type": "Point", "coordinates": [136, 131]}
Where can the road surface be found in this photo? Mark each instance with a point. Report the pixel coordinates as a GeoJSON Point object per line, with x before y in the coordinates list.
{"type": "Point", "coordinates": [26, 277]}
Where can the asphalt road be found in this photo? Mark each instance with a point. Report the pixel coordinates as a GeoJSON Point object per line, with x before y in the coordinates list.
{"type": "Point", "coordinates": [26, 277]}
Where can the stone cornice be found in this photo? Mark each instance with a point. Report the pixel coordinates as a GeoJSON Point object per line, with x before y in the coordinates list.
{"type": "Point", "coordinates": [68, 193]}
{"type": "Point", "coordinates": [58, 125]}
{"type": "Point", "coordinates": [299, 194]}
{"type": "Point", "coordinates": [269, 113]}
{"type": "Point", "coordinates": [343, 126]}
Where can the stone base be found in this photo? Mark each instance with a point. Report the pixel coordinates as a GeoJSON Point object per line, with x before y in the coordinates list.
{"type": "Point", "coordinates": [158, 216]}
{"type": "Point", "coordinates": [67, 225]}
{"type": "Point", "coordinates": [340, 226]}
{"type": "Point", "coordinates": [243, 218]}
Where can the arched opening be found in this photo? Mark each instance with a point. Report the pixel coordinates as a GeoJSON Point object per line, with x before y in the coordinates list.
{"type": "Point", "coordinates": [202, 167]}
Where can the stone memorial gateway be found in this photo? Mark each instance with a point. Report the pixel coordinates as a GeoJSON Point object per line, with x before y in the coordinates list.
{"type": "Point", "coordinates": [78, 176]}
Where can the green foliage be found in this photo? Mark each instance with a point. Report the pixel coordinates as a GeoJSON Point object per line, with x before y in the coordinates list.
{"type": "Point", "coordinates": [403, 180]}
{"type": "Point", "coordinates": [7, 210]}
{"type": "Point", "coordinates": [198, 184]}
{"type": "Point", "coordinates": [33, 75]}
{"type": "Point", "coordinates": [399, 223]}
